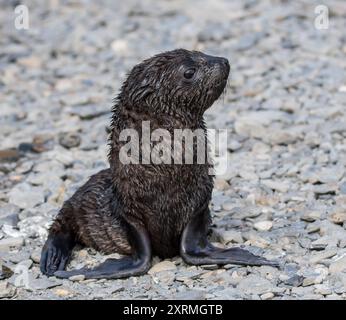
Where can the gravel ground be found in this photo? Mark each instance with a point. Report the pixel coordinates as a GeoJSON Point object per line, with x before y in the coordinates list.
{"type": "Point", "coordinates": [284, 193]}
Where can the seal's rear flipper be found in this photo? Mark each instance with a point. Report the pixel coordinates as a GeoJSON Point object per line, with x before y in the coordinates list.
{"type": "Point", "coordinates": [213, 255]}
{"type": "Point", "coordinates": [196, 249]}
{"type": "Point", "coordinates": [134, 265]}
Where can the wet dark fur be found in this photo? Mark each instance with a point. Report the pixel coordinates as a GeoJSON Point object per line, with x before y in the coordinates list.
{"type": "Point", "coordinates": [163, 198]}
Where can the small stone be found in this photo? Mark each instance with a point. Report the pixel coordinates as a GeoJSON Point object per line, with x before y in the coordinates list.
{"type": "Point", "coordinates": [189, 275]}
{"type": "Point", "coordinates": [338, 266]}
{"type": "Point", "coordinates": [25, 147]}
{"type": "Point", "coordinates": [277, 137]}
{"type": "Point", "coordinates": [11, 243]}
{"type": "Point", "coordinates": [260, 148]}
{"type": "Point", "coordinates": [120, 46]}
{"type": "Point", "coordinates": [81, 98]}
{"type": "Point", "coordinates": [70, 140]}
{"type": "Point", "coordinates": [338, 217]}
{"type": "Point", "coordinates": [246, 212]}
{"type": "Point", "coordinates": [9, 155]}
{"type": "Point", "coordinates": [343, 88]}
{"type": "Point", "coordinates": [9, 215]}
{"type": "Point", "coordinates": [323, 242]}
{"type": "Point", "coordinates": [308, 282]}
{"type": "Point", "coordinates": [88, 112]}
{"type": "Point", "coordinates": [227, 294]}
{"type": "Point", "coordinates": [116, 289]}
{"type": "Point", "coordinates": [252, 239]}
{"type": "Point", "coordinates": [209, 266]}
{"type": "Point", "coordinates": [44, 283]}
{"type": "Point", "coordinates": [36, 256]}
{"type": "Point", "coordinates": [335, 297]}
{"type": "Point", "coordinates": [253, 284]}
{"type": "Point", "coordinates": [294, 281]}
{"type": "Point", "coordinates": [19, 256]}
{"type": "Point", "coordinates": [227, 206]}
{"type": "Point", "coordinates": [230, 236]}
{"type": "Point", "coordinates": [248, 173]}
{"type": "Point", "coordinates": [191, 295]}
{"type": "Point", "coordinates": [24, 167]}
{"type": "Point", "coordinates": [62, 292]}
{"type": "Point", "coordinates": [276, 185]}
{"type": "Point", "coordinates": [214, 31]}
{"type": "Point", "coordinates": [162, 266]}
{"type": "Point", "coordinates": [63, 84]}
{"type": "Point", "coordinates": [228, 266]}
{"type": "Point", "coordinates": [11, 231]}
{"type": "Point", "coordinates": [247, 41]}
{"type": "Point", "coordinates": [322, 289]}
{"type": "Point", "coordinates": [263, 225]}
{"type": "Point", "coordinates": [79, 277]}
{"type": "Point", "coordinates": [42, 143]}
{"type": "Point", "coordinates": [320, 189]}
{"type": "Point", "coordinates": [5, 272]}
{"type": "Point", "coordinates": [325, 254]}
{"type": "Point", "coordinates": [166, 277]}
{"type": "Point", "coordinates": [343, 188]}
{"type": "Point", "coordinates": [249, 129]}
{"type": "Point", "coordinates": [26, 263]}
{"type": "Point", "coordinates": [311, 216]}
{"type": "Point", "coordinates": [330, 174]}
{"type": "Point", "coordinates": [312, 227]}
{"type": "Point", "coordinates": [267, 296]}
{"type": "Point", "coordinates": [221, 184]}
{"type": "Point", "coordinates": [30, 62]}
{"type": "Point", "coordinates": [26, 196]}
{"type": "Point", "coordinates": [234, 145]}
{"type": "Point", "coordinates": [314, 276]}
{"type": "Point", "coordinates": [332, 233]}
{"type": "Point", "coordinates": [6, 290]}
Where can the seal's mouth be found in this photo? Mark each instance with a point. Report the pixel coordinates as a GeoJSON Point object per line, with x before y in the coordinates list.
{"type": "Point", "coordinates": [221, 72]}
{"type": "Point", "coordinates": [217, 88]}
{"type": "Point", "coordinates": [219, 80]}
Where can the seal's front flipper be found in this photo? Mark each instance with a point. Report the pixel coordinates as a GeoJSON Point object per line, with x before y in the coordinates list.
{"type": "Point", "coordinates": [110, 269]}
{"type": "Point", "coordinates": [136, 264]}
{"type": "Point", "coordinates": [196, 249]}
{"type": "Point", "coordinates": [56, 252]}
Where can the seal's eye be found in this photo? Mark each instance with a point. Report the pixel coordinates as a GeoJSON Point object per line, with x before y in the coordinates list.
{"type": "Point", "coordinates": [188, 74]}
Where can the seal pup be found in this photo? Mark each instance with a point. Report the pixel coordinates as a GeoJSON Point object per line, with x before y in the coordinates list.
{"type": "Point", "coordinates": [144, 207]}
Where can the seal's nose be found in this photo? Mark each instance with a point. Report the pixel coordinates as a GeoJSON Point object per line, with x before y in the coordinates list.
{"type": "Point", "coordinates": [223, 62]}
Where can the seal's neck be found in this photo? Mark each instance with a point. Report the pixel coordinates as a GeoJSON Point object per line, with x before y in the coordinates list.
{"type": "Point", "coordinates": [133, 116]}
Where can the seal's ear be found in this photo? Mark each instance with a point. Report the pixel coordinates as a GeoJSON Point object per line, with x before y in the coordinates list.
{"type": "Point", "coordinates": [138, 85]}
{"type": "Point", "coordinates": [144, 92]}
{"type": "Point", "coordinates": [144, 87]}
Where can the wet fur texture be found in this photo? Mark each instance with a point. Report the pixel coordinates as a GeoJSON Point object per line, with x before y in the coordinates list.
{"type": "Point", "coordinates": [162, 198]}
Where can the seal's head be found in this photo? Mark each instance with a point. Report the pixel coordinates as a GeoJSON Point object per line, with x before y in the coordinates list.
{"type": "Point", "coordinates": [176, 82]}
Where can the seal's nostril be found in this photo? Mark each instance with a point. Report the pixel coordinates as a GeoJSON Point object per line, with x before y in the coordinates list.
{"type": "Point", "coordinates": [225, 66]}
{"type": "Point", "coordinates": [225, 62]}
{"type": "Point", "coordinates": [216, 60]}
